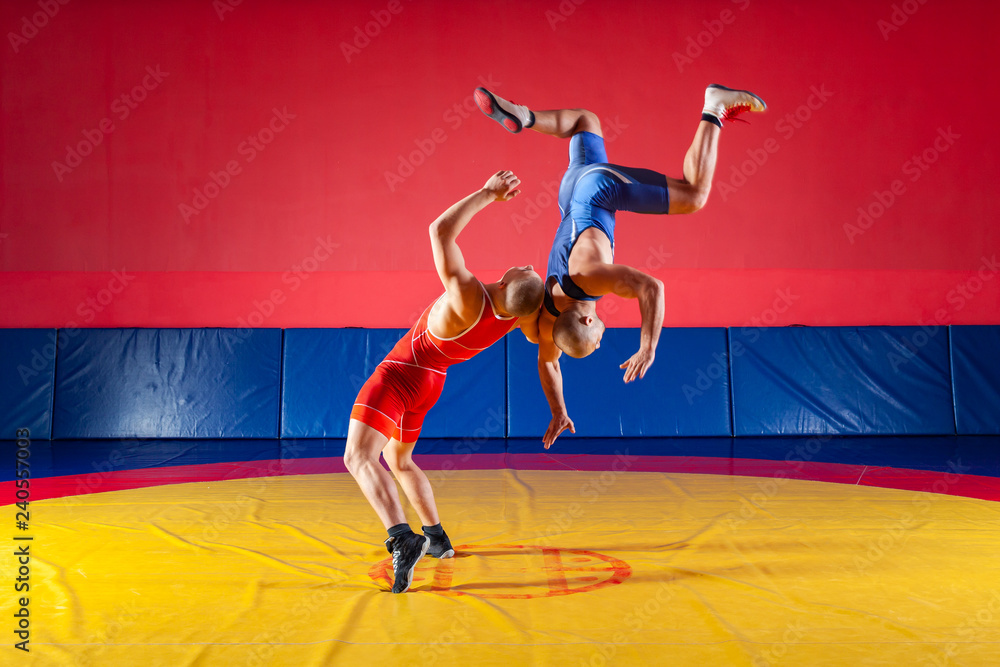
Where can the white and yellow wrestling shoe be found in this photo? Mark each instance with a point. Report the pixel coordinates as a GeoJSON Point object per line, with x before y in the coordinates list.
{"type": "Point", "coordinates": [727, 103]}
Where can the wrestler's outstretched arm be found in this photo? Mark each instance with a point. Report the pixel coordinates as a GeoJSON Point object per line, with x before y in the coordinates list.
{"type": "Point", "coordinates": [633, 284]}
{"type": "Point", "coordinates": [464, 292]}
{"type": "Point", "coordinates": [550, 375]}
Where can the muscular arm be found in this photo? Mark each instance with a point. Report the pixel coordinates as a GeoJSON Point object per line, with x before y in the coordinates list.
{"type": "Point", "coordinates": [634, 284]}
{"type": "Point", "coordinates": [550, 375]}
{"type": "Point", "coordinates": [464, 293]}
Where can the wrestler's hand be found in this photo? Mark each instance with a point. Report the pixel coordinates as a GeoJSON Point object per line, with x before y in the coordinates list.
{"type": "Point", "coordinates": [502, 185]}
{"type": "Point", "coordinates": [558, 424]}
{"type": "Point", "coordinates": [637, 366]}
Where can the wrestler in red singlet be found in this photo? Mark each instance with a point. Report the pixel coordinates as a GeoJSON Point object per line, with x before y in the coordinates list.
{"type": "Point", "coordinates": [386, 419]}
{"type": "Point", "coordinates": [409, 380]}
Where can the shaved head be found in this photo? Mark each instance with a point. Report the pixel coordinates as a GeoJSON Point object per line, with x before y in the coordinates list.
{"type": "Point", "coordinates": [576, 334]}
{"type": "Point", "coordinates": [522, 292]}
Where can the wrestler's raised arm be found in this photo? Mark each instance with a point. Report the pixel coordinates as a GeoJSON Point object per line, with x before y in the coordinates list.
{"type": "Point", "coordinates": [464, 292]}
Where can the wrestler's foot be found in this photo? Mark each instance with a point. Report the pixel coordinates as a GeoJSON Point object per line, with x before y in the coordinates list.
{"type": "Point", "coordinates": [406, 550]}
{"type": "Point", "coordinates": [440, 545]}
{"type": "Point", "coordinates": [512, 116]}
{"type": "Point", "coordinates": [726, 104]}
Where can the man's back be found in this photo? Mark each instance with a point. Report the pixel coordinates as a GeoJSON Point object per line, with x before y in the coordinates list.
{"type": "Point", "coordinates": [421, 347]}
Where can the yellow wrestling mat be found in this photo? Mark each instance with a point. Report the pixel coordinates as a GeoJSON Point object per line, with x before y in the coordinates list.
{"type": "Point", "coordinates": [558, 568]}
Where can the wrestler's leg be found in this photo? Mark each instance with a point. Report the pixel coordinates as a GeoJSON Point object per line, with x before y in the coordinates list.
{"type": "Point", "coordinates": [364, 444]}
{"type": "Point", "coordinates": [721, 104]}
{"type": "Point", "coordinates": [562, 123]}
{"type": "Point", "coordinates": [415, 484]}
{"type": "Point", "coordinates": [689, 194]}
{"type": "Point", "coordinates": [685, 195]}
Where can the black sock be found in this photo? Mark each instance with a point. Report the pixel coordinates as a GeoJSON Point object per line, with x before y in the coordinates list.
{"type": "Point", "coordinates": [399, 529]}
{"type": "Point", "coordinates": [531, 121]}
{"type": "Point", "coordinates": [434, 531]}
{"type": "Point", "coordinates": [711, 119]}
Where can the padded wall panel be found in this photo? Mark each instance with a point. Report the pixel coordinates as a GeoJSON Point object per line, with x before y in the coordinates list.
{"type": "Point", "coordinates": [323, 372]}
{"type": "Point", "coordinates": [685, 392]}
{"type": "Point", "coordinates": [27, 374]}
{"type": "Point", "coordinates": [168, 383]}
{"type": "Point", "coordinates": [975, 358]}
{"type": "Point", "coordinates": [473, 403]}
{"type": "Point", "coordinates": [841, 381]}
{"type": "Point", "coordinates": [325, 368]}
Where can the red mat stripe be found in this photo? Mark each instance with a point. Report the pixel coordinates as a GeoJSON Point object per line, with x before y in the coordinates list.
{"type": "Point", "coordinates": [773, 473]}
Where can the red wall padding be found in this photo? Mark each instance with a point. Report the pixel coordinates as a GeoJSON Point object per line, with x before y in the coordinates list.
{"type": "Point", "coordinates": [361, 140]}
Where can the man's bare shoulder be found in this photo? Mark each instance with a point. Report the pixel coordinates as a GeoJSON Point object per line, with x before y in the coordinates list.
{"type": "Point", "coordinates": [456, 310]}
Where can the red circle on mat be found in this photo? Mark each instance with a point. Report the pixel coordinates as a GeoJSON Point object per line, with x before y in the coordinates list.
{"type": "Point", "coordinates": [566, 571]}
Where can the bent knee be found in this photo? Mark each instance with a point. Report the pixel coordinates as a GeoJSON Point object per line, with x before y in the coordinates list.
{"type": "Point", "coordinates": [354, 459]}
{"type": "Point", "coordinates": [691, 201]}
{"type": "Point", "coordinates": [588, 122]}
{"type": "Point", "coordinates": [699, 200]}
{"type": "Point", "coordinates": [397, 462]}
{"type": "Point", "coordinates": [398, 465]}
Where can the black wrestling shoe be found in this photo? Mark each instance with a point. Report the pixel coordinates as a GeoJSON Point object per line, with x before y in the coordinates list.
{"type": "Point", "coordinates": [406, 550]}
{"type": "Point", "coordinates": [440, 547]}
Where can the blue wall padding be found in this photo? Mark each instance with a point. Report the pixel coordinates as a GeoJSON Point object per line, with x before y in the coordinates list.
{"type": "Point", "coordinates": [973, 455]}
{"type": "Point", "coordinates": [841, 381]}
{"type": "Point", "coordinates": [168, 383]}
{"type": "Point", "coordinates": [685, 392]}
{"type": "Point", "coordinates": [472, 405]}
{"type": "Point", "coordinates": [325, 368]}
{"type": "Point", "coordinates": [713, 447]}
{"type": "Point", "coordinates": [27, 374]}
{"type": "Point", "coordinates": [975, 358]}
